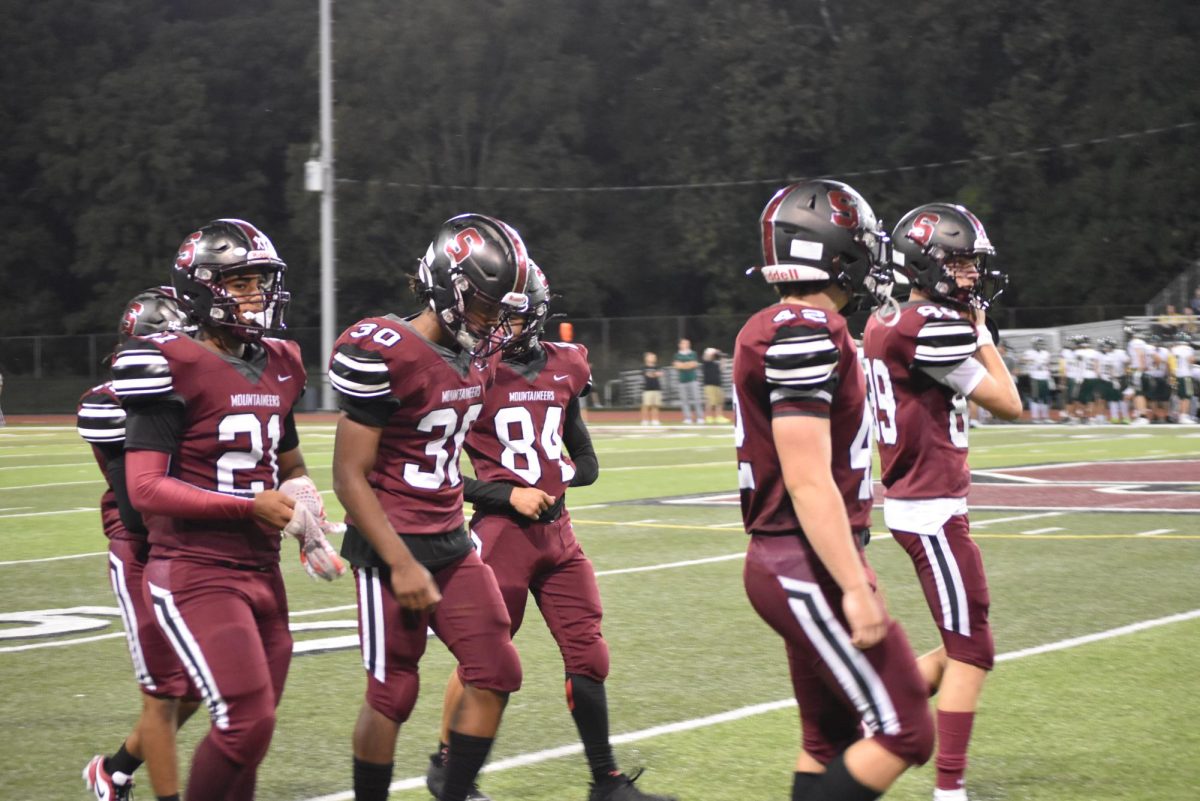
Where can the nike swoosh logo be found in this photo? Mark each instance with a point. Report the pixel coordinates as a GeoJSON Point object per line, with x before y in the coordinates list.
{"type": "Point", "coordinates": [101, 791]}
{"type": "Point", "coordinates": [283, 378]}
{"type": "Point", "coordinates": [562, 377]}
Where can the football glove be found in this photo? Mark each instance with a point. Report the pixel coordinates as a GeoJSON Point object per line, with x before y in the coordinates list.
{"type": "Point", "coordinates": [317, 556]}
{"type": "Point", "coordinates": [303, 489]}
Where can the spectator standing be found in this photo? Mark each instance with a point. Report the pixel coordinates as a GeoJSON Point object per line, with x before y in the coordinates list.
{"type": "Point", "coordinates": [651, 389]}
{"type": "Point", "coordinates": [685, 365]}
{"type": "Point", "coordinates": [1194, 303]}
{"type": "Point", "coordinates": [714, 393]}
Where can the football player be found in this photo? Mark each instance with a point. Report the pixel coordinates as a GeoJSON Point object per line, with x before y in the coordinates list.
{"type": "Point", "coordinates": [410, 389]}
{"type": "Point", "coordinates": [1157, 378]}
{"type": "Point", "coordinates": [1091, 397]}
{"type": "Point", "coordinates": [1037, 366]}
{"type": "Point", "coordinates": [923, 363]}
{"type": "Point", "coordinates": [168, 698]}
{"type": "Point", "coordinates": [802, 431]}
{"type": "Point", "coordinates": [1139, 362]}
{"type": "Point", "coordinates": [1182, 358]}
{"type": "Point", "coordinates": [210, 436]}
{"type": "Point", "coordinates": [1072, 380]}
{"type": "Point", "coordinates": [523, 530]}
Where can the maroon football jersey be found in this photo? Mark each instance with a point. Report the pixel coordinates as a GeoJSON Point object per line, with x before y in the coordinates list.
{"type": "Point", "coordinates": [518, 438]}
{"type": "Point", "coordinates": [425, 398]}
{"type": "Point", "coordinates": [100, 420]}
{"type": "Point", "coordinates": [920, 418]}
{"type": "Point", "coordinates": [793, 359]}
{"type": "Point", "coordinates": [234, 412]}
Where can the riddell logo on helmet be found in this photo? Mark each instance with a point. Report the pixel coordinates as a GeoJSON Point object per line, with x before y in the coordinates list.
{"type": "Point", "coordinates": [464, 243]}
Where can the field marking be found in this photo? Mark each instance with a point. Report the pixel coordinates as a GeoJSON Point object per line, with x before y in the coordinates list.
{"type": "Point", "coordinates": [1154, 532]}
{"type": "Point", "coordinates": [74, 511]}
{"type": "Point", "coordinates": [535, 757]}
{"type": "Point", "coordinates": [55, 484]}
{"type": "Point", "coordinates": [53, 558]}
{"type": "Point", "coordinates": [724, 463]}
{"type": "Point", "coordinates": [1028, 536]}
{"type": "Point", "coordinates": [1043, 530]}
{"type": "Point", "coordinates": [43, 466]}
{"type": "Point", "coordinates": [349, 607]}
{"type": "Point", "coordinates": [1013, 519]}
{"type": "Point", "coordinates": [8, 649]}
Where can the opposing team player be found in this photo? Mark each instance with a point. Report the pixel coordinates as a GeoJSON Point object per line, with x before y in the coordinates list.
{"type": "Point", "coordinates": [1183, 356]}
{"type": "Point", "coordinates": [524, 531]}
{"type": "Point", "coordinates": [168, 698]}
{"type": "Point", "coordinates": [1139, 362]}
{"type": "Point", "coordinates": [803, 435]}
{"type": "Point", "coordinates": [923, 363]}
{"type": "Point", "coordinates": [409, 389]}
{"type": "Point", "coordinates": [210, 436]}
{"type": "Point", "coordinates": [1036, 360]}
{"type": "Point", "coordinates": [1113, 366]}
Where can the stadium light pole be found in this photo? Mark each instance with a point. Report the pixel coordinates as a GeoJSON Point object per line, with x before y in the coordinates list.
{"type": "Point", "coordinates": [328, 265]}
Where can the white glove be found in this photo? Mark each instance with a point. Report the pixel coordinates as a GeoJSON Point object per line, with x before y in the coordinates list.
{"type": "Point", "coordinates": [317, 556]}
{"type": "Point", "coordinates": [305, 491]}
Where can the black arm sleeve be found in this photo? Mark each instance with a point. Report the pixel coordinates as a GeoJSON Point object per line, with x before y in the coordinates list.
{"type": "Point", "coordinates": [488, 496]}
{"type": "Point", "coordinates": [114, 471]}
{"type": "Point", "coordinates": [154, 426]}
{"type": "Point", "coordinates": [291, 438]}
{"type": "Point", "coordinates": [579, 445]}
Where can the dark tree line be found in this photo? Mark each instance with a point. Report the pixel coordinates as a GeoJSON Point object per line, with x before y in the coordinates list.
{"type": "Point", "coordinates": [127, 122]}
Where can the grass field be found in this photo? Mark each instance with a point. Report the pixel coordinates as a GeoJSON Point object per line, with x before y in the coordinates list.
{"type": "Point", "coordinates": [699, 690]}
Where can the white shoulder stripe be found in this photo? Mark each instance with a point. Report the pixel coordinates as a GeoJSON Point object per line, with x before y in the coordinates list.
{"type": "Point", "coordinates": [102, 413]}
{"type": "Point", "coordinates": [359, 364]}
{"type": "Point", "coordinates": [101, 434]}
{"type": "Point", "coordinates": [946, 353]}
{"type": "Point", "coordinates": [792, 348]}
{"type": "Point", "coordinates": [800, 376]}
{"type": "Point", "coordinates": [947, 329]}
{"type": "Point", "coordinates": [358, 390]}
{"type": "Point", "coordinates": [138, 359]}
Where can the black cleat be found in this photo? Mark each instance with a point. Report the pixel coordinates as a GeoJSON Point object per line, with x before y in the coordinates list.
{"type": "Point", "coordinates": [620, 787]}
{"type": "Point", "coordinates": [435, 780]}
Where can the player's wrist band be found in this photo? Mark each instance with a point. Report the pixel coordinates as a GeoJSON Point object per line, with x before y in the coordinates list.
{"type": "Point", "coordinates": [984, 336]}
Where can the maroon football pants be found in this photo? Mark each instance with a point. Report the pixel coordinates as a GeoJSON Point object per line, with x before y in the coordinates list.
{"type": "Point", "coordinates": [470, 619]}
{"type": "Point", "coordinates": [838, 687]}
{"type": "Point", "coordinates": [547, 560]}
{"type": "Point", "coordinates": [155, 665]}
{"type": "Point", "coordinates": [229, 627]}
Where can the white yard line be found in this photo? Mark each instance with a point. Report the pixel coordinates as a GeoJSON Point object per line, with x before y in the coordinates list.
{"type": "Point", "coordinates": [45, 466]}
{"type": "Point", "coordinates": [55, 484]}
{"type": "Point", "coordinates": [53, 558]}
{"type": "Point", "coordinates": [1154, 532]}
{"type": "Point", "coordinates": [535, 757]}
{"type": "Point", "coordinates": [1013, 519]}
{"type": "Point", "coordinates": [1043, 530]}
{"type": "Point", "coordinates": [75, 511]}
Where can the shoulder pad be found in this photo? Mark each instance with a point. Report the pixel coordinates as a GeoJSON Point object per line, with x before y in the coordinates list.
{"type": "Point", "coordinates": [358, 372]}
{"type": "Point", "coordinates": [100, 417]}
{"type": "Point", "coordinates": [141, 370]}
{"type": "Point", "coordinates": [942, 342]}
{"type": "Point", "coordinates": [801, 357]}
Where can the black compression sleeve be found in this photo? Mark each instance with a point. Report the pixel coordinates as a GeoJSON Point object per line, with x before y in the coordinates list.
{"type": "Point", "coordinates": [131, 518]}
{"type": "Point", "coordinates": [488, 496]}
{"type": "Point", "coordinates": [291, 438]}
{"type": "Point", "coordinates": [579, 445]}
{"type": "Point", "coordinates": [154, 427]}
